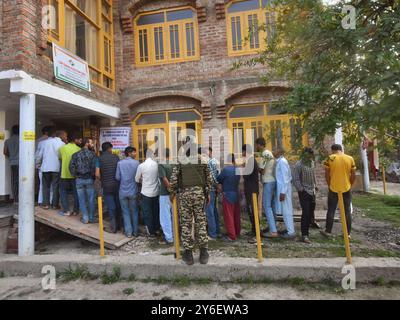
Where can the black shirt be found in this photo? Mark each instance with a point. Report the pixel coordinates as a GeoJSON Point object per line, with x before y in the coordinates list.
{"type": "Point", "coordinates": [251, 181]}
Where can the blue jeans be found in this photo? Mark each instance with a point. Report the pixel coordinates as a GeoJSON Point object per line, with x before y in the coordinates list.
{"type": "Point", "coordinates": [65, 186]}
{"type": "Point", "coordinates": [130, 212]}
{"type": "Point", "coordinates": [212, 216]}
{"type": "Point", "coordinates": [269, 191]}
{"type": "Point", "coordinates": [166, 218]}
{"type": "Point", "coordinates": [86, 195]}
{"type": "Point", "coordinates": [111, 201]}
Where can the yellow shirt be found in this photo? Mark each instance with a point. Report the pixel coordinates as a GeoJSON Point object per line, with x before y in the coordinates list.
{"type": "Point", "coordinates": [340, 167]}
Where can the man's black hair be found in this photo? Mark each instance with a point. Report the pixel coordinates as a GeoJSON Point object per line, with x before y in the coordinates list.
{"type": "Point", "coordinates": [15, 129]}
{"type": "Point", "coordinates": [106, 146]}
{"type": "Point", "coordinates": [129, 150]}
{"type": "Point", "coordinates": [336, 147]}
{"type": "Point", "coordinates": [247, 148]}
{"type": "Point", "coordinates": [261, 141]}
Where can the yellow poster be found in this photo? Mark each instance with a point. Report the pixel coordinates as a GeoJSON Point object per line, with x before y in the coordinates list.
{"type": "Point", "coordinates": [29, 136]}
{"type": "Point", "coordinates": [2, 136]}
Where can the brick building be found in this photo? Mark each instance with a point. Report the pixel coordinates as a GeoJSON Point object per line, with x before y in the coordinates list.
{"type": "Point", "coordinates": [151, 63]}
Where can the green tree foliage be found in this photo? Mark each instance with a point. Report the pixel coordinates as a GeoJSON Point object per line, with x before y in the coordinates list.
{"type": "Point", "coordinates": [339, 77]}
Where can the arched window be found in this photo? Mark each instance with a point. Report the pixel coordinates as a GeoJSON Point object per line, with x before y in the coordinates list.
{"type": "Point", "coordinates": [245, 21]}
{"type": "Point", "coordinates": [166, 36]}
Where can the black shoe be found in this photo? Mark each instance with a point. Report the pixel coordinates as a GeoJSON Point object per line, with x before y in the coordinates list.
{"type": "Point", "coordinates": [204, 256]}
{"type": "Point", "coordinates": [315, 225]}
{"type": "Point", "coordinates": [187, 257]}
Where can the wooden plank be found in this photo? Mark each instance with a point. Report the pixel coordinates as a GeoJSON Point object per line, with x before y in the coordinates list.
{"type": "Point", "coordinates": [74, 227]}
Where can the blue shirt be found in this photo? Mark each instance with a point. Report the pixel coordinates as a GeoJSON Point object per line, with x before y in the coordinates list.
{"type": "Point", "coordinates": [126, 172]}
{"type": "Point", "coordinates": [230, 183]}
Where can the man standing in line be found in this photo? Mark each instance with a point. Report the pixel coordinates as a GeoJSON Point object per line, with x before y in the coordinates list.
{"type": "Point", "coordinates": [251, 184]}
{"type": "Point", "coordinates": [230, 190]}
{"type": "Point", "coordinates": [284, 192]}
{"type": "Point", "coordinates": [106, 168]}
{"type": "Point", "coordinates": [39, 145]}
{"type": "Point", "coordinates": [83, 168]}
{"type": "Point", "coordinates": [68, 182]}
{"type": "Point", "coordinates": [193, 183]}
{"type": "Point", "coordinates": [267, 165]}
{"type": "Point", "coordinates": [147, 175]}
{"type": "Point", "coordinates": [305, 183]}
{"type": "Point", "coordinates": [49, 162]}
{"type": "Point", "coordinates": [164, 173]}
{"type": "Point", "coordinates": [211, 209]}
{"type": "Point", "coordinates": [128, 192]}
{"type": "Point", "coordinates": [11, 151]}
{"type": "Point", "coordinates": [340, 174]}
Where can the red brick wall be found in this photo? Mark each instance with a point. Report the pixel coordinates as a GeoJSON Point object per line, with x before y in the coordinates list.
{"type": "Point", "coordinates": [24, 45]}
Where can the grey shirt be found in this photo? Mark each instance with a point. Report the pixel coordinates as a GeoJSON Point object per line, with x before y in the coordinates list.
{"type": "Point", "coordinates": [12, 145]}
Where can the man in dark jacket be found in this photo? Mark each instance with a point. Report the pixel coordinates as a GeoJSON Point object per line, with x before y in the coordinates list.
{"type": "Point", "coordinates": [82, 167]}
{"type": "Point", "coordinates": [106, 167]}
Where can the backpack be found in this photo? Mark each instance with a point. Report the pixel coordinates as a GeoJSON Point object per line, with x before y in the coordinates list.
{"type": "Point", "coordinates": [192, 175]}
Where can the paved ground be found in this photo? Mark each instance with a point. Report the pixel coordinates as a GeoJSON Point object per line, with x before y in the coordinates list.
{"type": "Point", "coordinates": [392, 189]}
{"type": "Point", "coordinates": [30, 289]}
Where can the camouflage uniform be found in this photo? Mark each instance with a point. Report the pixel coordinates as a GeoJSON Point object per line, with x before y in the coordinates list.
{"type": "Point", "coordinates": [191, 205]}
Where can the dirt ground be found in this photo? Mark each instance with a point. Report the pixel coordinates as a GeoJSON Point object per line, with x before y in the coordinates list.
{"type": "Point", "coordinates": [369, 238]}
{"type": "Point", "coordinates": [30, 289]}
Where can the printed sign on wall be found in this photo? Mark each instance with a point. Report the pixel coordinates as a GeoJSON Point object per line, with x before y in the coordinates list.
{"type": "Point", "coordinates": [70, 68]}
{"type": "Point", "coordinates": [119, 137]}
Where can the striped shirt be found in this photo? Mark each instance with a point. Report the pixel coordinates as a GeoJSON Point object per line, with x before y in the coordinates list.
{"type": "Point", "coordinates": [304, 177]}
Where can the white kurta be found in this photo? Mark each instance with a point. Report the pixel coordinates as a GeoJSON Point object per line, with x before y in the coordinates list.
{"type": "Point", "coordinates": [284, 186]}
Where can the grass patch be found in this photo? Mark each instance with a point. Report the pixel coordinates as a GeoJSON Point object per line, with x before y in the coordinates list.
{"type": "Point", "coordinates": [114, 277]}
{"type": "Point", "coordinates": [77, 273]}
{"type": "Point", "coordinates": [379, 207]}
{"type": "Point", "coordinates": [128, 291]}
{"type": "Point", "coordinates": [131, 278]}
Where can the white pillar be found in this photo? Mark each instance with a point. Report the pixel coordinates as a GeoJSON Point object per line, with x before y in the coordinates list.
{"type": "Point", "coordinates": [364, 159]}
{"type": "Point", "coordinates": [26, 219]}
{"type": "Point", "coordinates": [339, 136]}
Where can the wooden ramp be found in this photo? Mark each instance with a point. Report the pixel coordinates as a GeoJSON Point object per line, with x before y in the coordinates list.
{"type": "Point", "coordinates": [74, 227]}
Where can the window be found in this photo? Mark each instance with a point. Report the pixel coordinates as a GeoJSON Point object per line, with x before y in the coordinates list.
{"type": "Point", "coordinates": [149, 127]}
{"type": "Point", "coordinates": [249, 122]}
{"type": "Point", "coordinates": [85, 27]}
{"type": "Point", "coordinates": [249, 23]}
{"type": "Point", "coordinates": [166, 36]}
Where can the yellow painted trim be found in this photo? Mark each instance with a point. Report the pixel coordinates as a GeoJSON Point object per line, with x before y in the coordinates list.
{"type": "Point", "coordinates": [100, 38]}
{"type": "Point", "coordinates": [183, 57]}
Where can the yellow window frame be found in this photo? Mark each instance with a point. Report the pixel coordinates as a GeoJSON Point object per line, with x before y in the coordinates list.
{"type": "Point", "coordinates": [164, 126]}
{"type": "Point", "coordinates": [183, 57]}
{"type": "Point", "coordinates": [101, 37]}
{"type": "Point", "coordinates": [244, 24]}
{"type": "Point", "coordinates": [266, 122]}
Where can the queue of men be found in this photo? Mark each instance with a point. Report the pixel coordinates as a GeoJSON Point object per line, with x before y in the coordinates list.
{"type": "Point", "coordinates": [69, 165]}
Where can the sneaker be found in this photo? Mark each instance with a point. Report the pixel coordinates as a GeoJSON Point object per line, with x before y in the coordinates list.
{"type": "Point", "coordinates": [129, 236]}
{"type": "Point", "coordinates": [252, 240]}
{"type": "Point", "coordinates": [315, 225]}
{"type": "Point", "coordinates": [250, 234]}
{"type": "Point", "coordinates": [84, 221]}
{"type": "Point", "coordinates": [187, 257]}
{"type": "Point", "coordinates": [227, 239]}
{"type": "Point", "coordinates": [211, 239]}
{"type": "Point", "coordinates": [326, 234]}
{"type": "Point", "coordinates": [270, 235]}
{"type": "Point", "coordinates": [306, 239]}
{"type": "Point", "coordinates": [288, 236]}
{"type": "Point", "coordinates": [204, 256]}
{"type": "Point", "coordinates": [64, 214]}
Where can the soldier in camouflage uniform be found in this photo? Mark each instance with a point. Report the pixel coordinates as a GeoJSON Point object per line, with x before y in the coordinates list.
{"type": "Point", "coordinates": [193, 183]}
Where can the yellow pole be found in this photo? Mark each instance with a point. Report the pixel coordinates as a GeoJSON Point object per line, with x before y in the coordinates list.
{"type": "Point", "coordinates": [257, 226]}
{"type": "Point", "coordinates": [101, 227]}
{"type": "Point", "coordinates": [344, 227]}
{"type": "Point", "coordinates": [384, 180]}
{"type": "Point", "coordinates": [176, 231]}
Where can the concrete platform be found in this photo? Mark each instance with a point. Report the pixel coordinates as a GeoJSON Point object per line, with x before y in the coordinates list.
{"type": "Point", "coordinates": [219, 269]}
